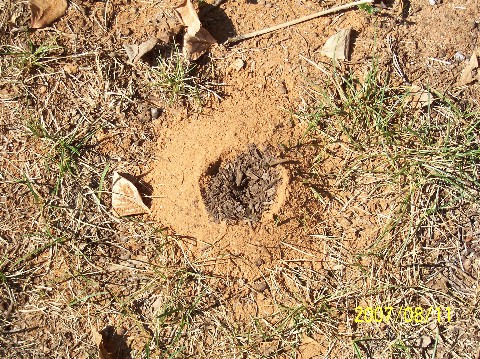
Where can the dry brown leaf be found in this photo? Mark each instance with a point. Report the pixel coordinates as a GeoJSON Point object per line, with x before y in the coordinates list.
{"type": "Point", "coordinates": [471, 72]}
{"type": "Point", "coordinates": [136, 52]}
{"type": "Point", "coordinates": [309, 348]}
{"type": "Point", "coordinates": [197, 39]}
{"type": "Point", "coordinates": [126, 200]}
{"type": "Point", "coordinates": [420, 98]}
{"type": "Point", "coordinates": [338, 45]}
{"type": "Point", "coordinates": [196, 46]}
{"type": "Point", "coordinates": [44, 12]}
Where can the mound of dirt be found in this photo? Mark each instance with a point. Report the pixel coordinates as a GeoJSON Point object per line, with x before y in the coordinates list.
{"type": "Point", "coordinates": [241, 189]}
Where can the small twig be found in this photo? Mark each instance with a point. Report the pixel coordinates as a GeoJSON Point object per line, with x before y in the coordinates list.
{"type": "Point", "coordinates": [297, 21]}
{"type": "Point", "coordinates": [438, 60]}
{"type": "Point", "coordinates": [279, 161]}
{"type": "Point", "coordinates": [396, 63]}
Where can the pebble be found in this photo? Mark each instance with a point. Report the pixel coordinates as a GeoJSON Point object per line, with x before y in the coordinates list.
{"type": "Point", "coordinates": [238, 64]}
{"type": "Point", "coordinates": [259, 262]}
{"type": "Point", "coordinates": [126, 31]}
{"type": "Point", "coordinates": [282, 88]}
{"type": "Point", "coordinates": [155, 113]}
{"type": "Point", "coordinates": [467, 264]}
{"type": "Point", "coordinates": [261, 2]}
{"type": "Point", "coordinates": [268, 4]}
{"type": "Point", "coordinates": [260, 286]}
{"type": "Point", "coordinates": [459, 57]}
{"type": "Point", "coordinates": [476, 264]}
{"type": "Point", "coordinates": [71, 69]}
{"type": "Point", "coordinates": [432, 2]}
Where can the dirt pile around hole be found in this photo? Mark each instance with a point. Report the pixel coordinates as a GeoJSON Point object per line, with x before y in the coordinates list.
{"type": "Point", "coordinates": [241, 189]}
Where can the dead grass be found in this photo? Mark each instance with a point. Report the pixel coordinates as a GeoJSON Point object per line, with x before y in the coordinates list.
{"type": "Point", "coordinates": [67, 266]}
{"type": "Point", "coordinates": [425, 162]}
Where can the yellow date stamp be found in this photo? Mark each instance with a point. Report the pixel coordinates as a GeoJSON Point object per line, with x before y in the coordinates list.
{"type": "Point", "coordinates": [414, 315]}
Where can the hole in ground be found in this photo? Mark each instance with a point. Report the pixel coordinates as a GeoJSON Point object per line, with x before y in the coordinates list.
{"type": "Point", "coordinates": [243, 188]}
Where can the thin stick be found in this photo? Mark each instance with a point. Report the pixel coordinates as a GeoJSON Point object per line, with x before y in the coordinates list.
{"type": "Point", "coordinates": [297, 21]}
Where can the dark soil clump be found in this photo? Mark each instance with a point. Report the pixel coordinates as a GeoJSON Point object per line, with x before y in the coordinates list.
{"type": "Point", "coordinates": [241, 189]}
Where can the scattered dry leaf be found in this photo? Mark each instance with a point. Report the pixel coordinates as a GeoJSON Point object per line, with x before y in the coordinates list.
{"type": "Point", "coordinates": [197, 39]}
{"type": "Point", "coordinates": [126, 200]}
{"type": "Point", "coordinates": [196, 46]}
{"type": "Point", "coordinates": [309, 348]}
{"type": "Point", "coordinates": [424, 341]}
{"type": "Point", "coordinates": [188, 16]}
{"type": "Point", "coordinates": [111, 343]}
{"type": "Point", "coordinates": [337, 46]}
{"type": "Point", "coordinates": [470, 73]}
{"type": "Point", "coordinates": [420, 98]}
{"type": "Point", "coordinates": [44, 12]}
{"type": "Point", "coordinates": [136, 52]}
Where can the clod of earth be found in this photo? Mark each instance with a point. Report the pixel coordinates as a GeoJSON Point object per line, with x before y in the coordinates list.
{"type": "Point", "coordinates": [126, 200]}
{"type": "Point", "coordinates": [197, 39]}
{"type": "Point", "coordinates": [44, 12]}
{"type": "Point", "coordinates": [241, 189]}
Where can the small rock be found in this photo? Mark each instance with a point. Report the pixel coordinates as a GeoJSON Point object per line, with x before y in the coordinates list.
{"type": "Point", "coordinates": [459, 57]}
{"type": "Point", "coordinates": [126, 31]}
{"type": "Point", "coordinates": [260, 286]}
{"type": "Point", "coordinates": [476, 264]}
{"type": "Point", "coordinates": [157, 304]}
{"type": "Point", "coordinates": [71, 69]}
{"type": "Point", "coordinates": [432, 2]}
{"type": "Point", "coordinates": [42, 90]}
{"type": "Point", "coordinates": [238, 64]}
{"type": "Point", "coordinates": [282, 89]}
{"type": "Point", "coordinates": [155, 113]}
{"type": "Point", "coordinates": [259, 261]}
{"type": "Point", "coordinates": [261, 2]}
{"type": "Point", "coordinates": [268, 4]}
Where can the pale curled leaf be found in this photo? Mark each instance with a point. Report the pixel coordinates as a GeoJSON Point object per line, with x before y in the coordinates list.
{"type": "Point", "coordinates": [471, 72]}
{"type": "Point", "coordinates": [188, 16]}
{"type": "Point", "coordinates": [337, 45]}
{"type": "Point", "coordinates": [44, 12]}
{"type": "Point", "coordinates": [126, 200]}
{"type": "Point", "coordinates": [136, 52]}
